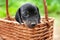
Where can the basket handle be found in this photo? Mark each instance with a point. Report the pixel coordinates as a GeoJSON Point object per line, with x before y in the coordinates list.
{"type": "Point", "coordinates": [46, 16]}
{"type": "Point", "coordinates": [46, 11]}
{"type": "Point", "coordinates": [45, 7]}
{"type": "Point", "coordinates": [7, 13]}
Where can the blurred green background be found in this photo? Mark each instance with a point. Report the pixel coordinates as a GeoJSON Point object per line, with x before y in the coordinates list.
{"type": "Point", "coordinates": [53, 7]}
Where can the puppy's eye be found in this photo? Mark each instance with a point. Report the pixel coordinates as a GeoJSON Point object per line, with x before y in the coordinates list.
{"type": "Point", "coordinates": [28, 12]}
{"type": "Point", "coordinates": [35, 12]}
{"type": "Point", "coordinates": [27, 15]}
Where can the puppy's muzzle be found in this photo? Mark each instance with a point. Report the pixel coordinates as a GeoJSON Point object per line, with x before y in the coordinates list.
{"type": "Point", "coordinates": [33, 24]}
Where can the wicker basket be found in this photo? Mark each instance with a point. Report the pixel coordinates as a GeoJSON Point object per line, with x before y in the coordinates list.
{"type": "Point", "coordinates": [11, 30]}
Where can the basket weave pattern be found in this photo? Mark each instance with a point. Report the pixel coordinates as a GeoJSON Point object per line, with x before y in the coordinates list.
{"type": "Point", "coordinates": [14, 31]}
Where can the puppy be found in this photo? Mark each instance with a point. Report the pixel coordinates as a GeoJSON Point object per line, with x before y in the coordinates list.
{"type": "Point", "coordinates": [28, 14]}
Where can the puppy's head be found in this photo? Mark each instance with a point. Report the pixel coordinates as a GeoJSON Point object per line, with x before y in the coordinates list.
{"type": "Point", "coordinates": [30, 15]}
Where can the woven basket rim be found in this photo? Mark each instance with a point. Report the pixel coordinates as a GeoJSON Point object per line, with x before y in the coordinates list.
{"type": "Point", "coordinates": [18, 23]}
{"type": "Point", "coordinates": [15, 22]}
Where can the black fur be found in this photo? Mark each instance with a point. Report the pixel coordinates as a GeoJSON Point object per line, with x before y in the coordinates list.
{"type": "Point", "coordinates": [28, 14]}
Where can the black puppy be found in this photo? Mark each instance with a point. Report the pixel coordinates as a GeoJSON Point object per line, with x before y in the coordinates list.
{"type": "Point", "coordinates": [28, 14]}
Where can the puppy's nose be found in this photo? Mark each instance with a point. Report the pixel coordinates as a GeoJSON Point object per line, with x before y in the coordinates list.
{"type": "Point", "coordinates": [33, 24]}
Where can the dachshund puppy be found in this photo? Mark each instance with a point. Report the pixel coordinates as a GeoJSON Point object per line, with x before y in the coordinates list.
{"type": "Point", "coordinates": [28, 14]}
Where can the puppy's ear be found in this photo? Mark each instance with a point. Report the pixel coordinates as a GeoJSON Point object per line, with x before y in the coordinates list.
{"type": "Point", "coordinates": [18, 16]}
{"type": "Point", "coordinates": [38, 15]}
{"type": "Point", "coordinates": [37, 9]}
